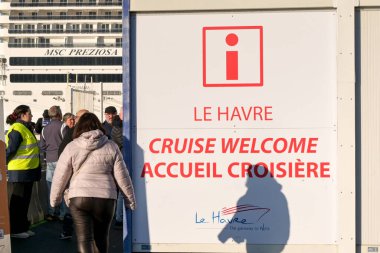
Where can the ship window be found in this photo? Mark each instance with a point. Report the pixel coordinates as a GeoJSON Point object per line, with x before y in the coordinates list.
{"type": "Point", "coordinates": [52, 93]}
{"type": "Point", "coordinates": [111, 92]}
{"type": "Point", "coordinates": [119, 42]}
{"type": "Point", "coordinates": [28, 42]}
{"type": "Point", "coordinates": [22, 92]}
{"type": "Point", "coordinates": [2, 92]}
{"type": "Point", "coordinates": [29, 28]}
{"type": "Point", "coordinates": [104, 28]}
{"type": "Point", "coordinates": [76, 27]}
{"type": "Point", "coordinates": [45, 28]}
{"type": "Point", "coordinates": [64, 61]}
{"type": "Point", "coordinates": [59, 28]}
{"type": "Point", "coordinates": [87, 28]}
{"type": "Point", "coordinates": [17, 42]}
{"type": "Point", "coordinates": [92, 15]}
{"type": "Point", "coordinates": [69, 41]}
{"type": "Point", "coordinates": [43, 42]}
{"type": "Point", "coordinates": [62, 78]}
{"type": "Point", "coordinates": [117, 28]}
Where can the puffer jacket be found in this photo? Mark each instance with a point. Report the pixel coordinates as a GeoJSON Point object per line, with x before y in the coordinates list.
{"type": "Point", "coordinates": [100, 174]}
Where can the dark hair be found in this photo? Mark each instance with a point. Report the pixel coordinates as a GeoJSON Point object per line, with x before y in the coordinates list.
{"type": "Point", "coordinates": [110, 110]}
{"type": "Point", "coordinates": [21, 109]}
{"type": "Point", "coordinates": [46, 114]}
{"type": "Point", "coordinates": [87, 122]}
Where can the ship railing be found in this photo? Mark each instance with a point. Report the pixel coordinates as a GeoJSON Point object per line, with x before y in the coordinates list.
{"type": "Point", "coordinates": [21, 31]}
{"type": "Point", "coordinates": [44, 45]}
{"type": "Point", "coordinates": [18, 31]}
{"type": "Point", "coordinates": [65, 17]}
{"type": "Point", "coordinates": [44, 4]}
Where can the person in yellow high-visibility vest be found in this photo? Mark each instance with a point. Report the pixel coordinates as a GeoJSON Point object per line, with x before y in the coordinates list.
{"type": "Point", "coordinates": [24, 168]}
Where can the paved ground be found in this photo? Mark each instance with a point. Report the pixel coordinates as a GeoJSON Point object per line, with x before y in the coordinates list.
{"type": "Point", "coordinates": [46, 240]}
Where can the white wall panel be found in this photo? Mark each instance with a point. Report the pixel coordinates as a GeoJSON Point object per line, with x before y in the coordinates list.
{"type": "Point", "coordinates": [370, 126]}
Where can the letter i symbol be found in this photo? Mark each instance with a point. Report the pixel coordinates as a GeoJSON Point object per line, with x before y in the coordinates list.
{"type": "Point", "coordinates": [232, 58]}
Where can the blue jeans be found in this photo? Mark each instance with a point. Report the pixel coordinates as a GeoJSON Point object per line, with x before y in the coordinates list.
{"type": "Point", "coordinates": [50, 168]}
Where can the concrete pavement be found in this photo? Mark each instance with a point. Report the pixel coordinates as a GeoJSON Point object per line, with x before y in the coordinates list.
{"type": "Point", "coordinates": [47, 240]}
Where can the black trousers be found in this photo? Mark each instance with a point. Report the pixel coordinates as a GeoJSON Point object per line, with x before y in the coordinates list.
{"type": "Point", "coordinates": [19, 205]}
{"type": "Point", "coordinates": [92, 221]}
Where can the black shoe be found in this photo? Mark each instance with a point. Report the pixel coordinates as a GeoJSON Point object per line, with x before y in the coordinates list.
{"type": "Point", "coordinates": [65, 236]}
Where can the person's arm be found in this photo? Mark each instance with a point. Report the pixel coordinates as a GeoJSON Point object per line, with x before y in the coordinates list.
{"type": "Point", "coordinates": [42, 143]}
{"type": "Point", "coordinates": [61, 178]}
{"type": "Point", "coordinates": [124, 181]}
{"type": "Point", "coordinates": [14, 142]}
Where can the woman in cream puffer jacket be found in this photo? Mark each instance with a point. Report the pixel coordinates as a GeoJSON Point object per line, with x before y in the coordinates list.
{"type": "Point", "coordinates": [92, 189]}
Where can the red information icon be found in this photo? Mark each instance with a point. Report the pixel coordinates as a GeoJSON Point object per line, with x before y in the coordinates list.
{"type": "Point", "coordinates": [233, 56]}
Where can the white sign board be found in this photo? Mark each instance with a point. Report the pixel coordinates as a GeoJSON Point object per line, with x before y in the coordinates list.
{"type": "Point", "coordinates": [236, 128]}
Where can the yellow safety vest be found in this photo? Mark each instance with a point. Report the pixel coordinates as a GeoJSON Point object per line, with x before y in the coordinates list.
{"type": "Point", "coordinates": [28, 154]}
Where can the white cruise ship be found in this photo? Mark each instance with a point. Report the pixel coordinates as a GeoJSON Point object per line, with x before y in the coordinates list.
{"type": "Point", "coordinates": [61, 52]}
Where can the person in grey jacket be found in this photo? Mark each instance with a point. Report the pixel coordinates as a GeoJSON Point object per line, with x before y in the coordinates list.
{"type": "Point", "coordinates": [51, 138]}
{"type": "Point", "coordinates": [94, 168]}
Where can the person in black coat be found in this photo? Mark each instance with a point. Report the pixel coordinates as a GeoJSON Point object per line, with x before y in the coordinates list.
{"type": "Point", "coordinates": [117, 131]}
{"type": "Point", "coordinates": [110, 112]}
{"type": "Point", "coordinates": [41, 122]}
